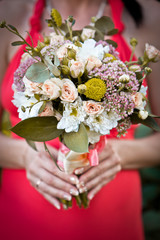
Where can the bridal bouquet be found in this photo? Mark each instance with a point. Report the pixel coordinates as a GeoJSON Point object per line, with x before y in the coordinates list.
{"type": "Point", "coordinates": [74, 86]}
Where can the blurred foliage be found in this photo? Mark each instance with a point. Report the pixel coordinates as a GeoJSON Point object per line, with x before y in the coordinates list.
{"type": "Point", "coordinates": [150, 178]}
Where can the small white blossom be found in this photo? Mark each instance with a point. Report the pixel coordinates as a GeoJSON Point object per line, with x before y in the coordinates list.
{"type": "Point", "coordinates": [143, 114]}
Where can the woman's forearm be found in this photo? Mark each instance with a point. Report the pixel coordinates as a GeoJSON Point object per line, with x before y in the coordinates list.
{"type": "Point", "coordinates": [12, 152]}
{"type": "Point", "coordinates": [138, 153]}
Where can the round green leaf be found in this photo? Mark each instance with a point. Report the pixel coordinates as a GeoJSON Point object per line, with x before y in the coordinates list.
{"type": "Point", "coordinates": [38, 129]}
{"type": "Point", "coordinates": [77, 141]}
{"type": "Point", "coordinates": [38, 72]}
{"type": "Point", "coordinates": [104, 24]}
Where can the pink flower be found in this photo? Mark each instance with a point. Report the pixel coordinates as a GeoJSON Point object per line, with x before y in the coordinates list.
{"type": "Point", "coordinates": [52, 88]}
{"type": "Point", "coordinates": [92, 107]}
{"type": "Point", "coordinates": [48, 110]}
{"type": "Point", "coordinates": [76, 68]}
{"type": "Point", "coordinates": [152, 52]}
{"type": "Point", "coordinates": [93, 62]}
{"type": "Point", "coordinates": [69, 91]}
{"type": "Point", "coordinates": [32, 87]}
{"type": "Point", "coordinates": [138, 100]}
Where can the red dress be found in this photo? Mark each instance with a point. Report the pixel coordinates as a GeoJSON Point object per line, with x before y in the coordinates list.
{"type": "Point", "coordinates": [114, 213]}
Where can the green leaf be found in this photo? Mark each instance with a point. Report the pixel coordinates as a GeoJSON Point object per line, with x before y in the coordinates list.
{"type": "Point", "coordinates": [38, 72]}
{"type": "Point", "coordinates": [42, 107]}
{"type": "Point", "coordinates": [56, 61]}
{"type": "Point", "coordinates": [6, 124]}
{"type": "Point", "coordinates": [64, 28]}
{"type": "Point", "coordinates": [104, 24]}
{"type": "Point", "coordinates": [112, 32]}
{"type": "Point", "coordinates": [12, 27]}
{"type": "Point", "coordinates": [77, 141]}
{"type": "Point", "coordinates": [17, 43]}
{"type": "Point", "coordinates": [149, 122]}
{"type": "Point", "coordinates": [31, 144]}
{"type": "Point", "coordinates": [113, 43]}
{"type": "Point", "coordinates": [151, 220]}
{"type": "Point", "coordinates": [38, 129]}
{"type": "Point", "coordinates": [53, 68]}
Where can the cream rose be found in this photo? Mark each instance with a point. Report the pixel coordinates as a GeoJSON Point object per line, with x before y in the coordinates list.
{"type": "Point", "coordinates": [76, 68]}
{"type": "Point", "coordinates": [32, 87]}
{"type": "Point", "coordinates": [52, 88]}
{"type": "Point", "coordinates": [62, 51]}
{"type": "Point", "coordinates": [152, 52]}
{"type": "Point", "coordinates": [93, 62]}
{"type": "Point", "coordinates": [48, 110]}
{"type": "Point", "coordinates": [87, 33]}
{"type": "Point", "coordinates": [138, 100]}
{"type": "Point", "coordinates": [92, 107]}
{"type": "Point", "coordinates": [69, 91]}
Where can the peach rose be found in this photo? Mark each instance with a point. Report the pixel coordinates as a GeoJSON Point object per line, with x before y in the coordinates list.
{"type": "Point", "coordinates": [92, 107]}
{"type": "Point", "coordinates": [152, 52]}
{"type": "Point", "coordinates": [48, 110]}
{"type": "Point", "coordinates": [52, 88]}
{"type": "Point", "coordinates": [32, 87]}
{"type": "Point", "coordinates": [76, 68]}
{"type": "Point", "coordinates": [69, 91]}
{"type": "Point", "coordinates": [93, 62]}
{"type": "Point", "coordinates": [138, 100]}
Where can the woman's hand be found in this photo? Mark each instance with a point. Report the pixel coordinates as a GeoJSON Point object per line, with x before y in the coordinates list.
{"type": "Point", "coordinates": [44, 175]}
{"type": "Point", "coordinates": [94, 178]}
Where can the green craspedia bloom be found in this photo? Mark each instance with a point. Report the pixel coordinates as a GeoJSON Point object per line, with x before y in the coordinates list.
{"type": "Point", "coordinates": [111, 56]}
{"type": "Point", "coordinates": [56, 17]}
{"type": "Point", "coordinates": [96, 89]}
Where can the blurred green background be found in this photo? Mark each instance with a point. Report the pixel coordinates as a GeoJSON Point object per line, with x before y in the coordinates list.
{"type": "Point", "coordinates": [150, 178]}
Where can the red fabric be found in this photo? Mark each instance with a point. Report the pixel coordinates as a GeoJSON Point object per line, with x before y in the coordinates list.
{"type": "Point", "coordinates": [114, 213]}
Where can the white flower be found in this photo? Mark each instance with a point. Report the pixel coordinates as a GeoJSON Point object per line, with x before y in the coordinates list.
{"type": "Point", "coordinates": [54, 38]}
{"type": "Point", "coordinates": [135, 68]}
{"type": "Point", "coordinates": [124, 78]}
{"type": "Point", "coordinates": [93, 62]}
{"type": "Point", "coordinates": [87, 33]}
{"type": "Point", "coordinates": [93, 137]}
{"type": "Point", "coordinates": [143, 114]}
{"type": "Point", "coordinates": [62, 51]}
{"type": "Point", "coordinates": [27, 107]}
{"type": "Point", "coordinates": [76, 68]}
{"type": "Point", "coordinates": [143, 90]}
{"type": "Point", "coordinates": [69, 91]}
{"type": "Point", "coordinates": [73, 115]}
{"type": "Point", "coordinates": [152, 52]}
{"type": "Point", "coordinates": [25, 56]}
{"type": "Point", "coordinates": [52, 88]}
{"type": "Point", "coordinates": [89, 49]}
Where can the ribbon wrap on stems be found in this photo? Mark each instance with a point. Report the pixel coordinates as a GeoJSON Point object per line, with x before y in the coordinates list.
{"type": "Point", "coordinates": [70, 160]}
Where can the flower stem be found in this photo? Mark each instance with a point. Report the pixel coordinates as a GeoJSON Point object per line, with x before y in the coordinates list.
{"type": "Point", "coordinates": [47, 150]}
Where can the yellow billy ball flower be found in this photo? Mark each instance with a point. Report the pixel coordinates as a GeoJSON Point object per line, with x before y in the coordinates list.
{"type": "Point", "coordinates": [96, 89]}
{"type": "Point", "coordinates": [56, 17]}
{"type": "Point", "coordinates": [111, 56]}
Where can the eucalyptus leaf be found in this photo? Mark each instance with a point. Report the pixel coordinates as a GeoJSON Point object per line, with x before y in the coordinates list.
{"type": "Point", "coordinates": [53, 68]}
{"type": "Point", "coordinates": [112, 32]}
{"type": "Point", "coordinates": [149, 122]}
{"type": "Point", "coordinates": [113, 43]}
{"type": "Point", "coordinates": [56, 61]}
{"type": "Point", "coordinates": [31, 144]}
{"type": "Point", "coordinates": [17, 43]}
{"type": "Point", "coordinates": [104, 24]}
{"type": "Point", "coordinates": [77, 141]}
{"type": "Point", "coordinates": [38, 72]}
{"type": "Point", "coordinates": [38, 129]}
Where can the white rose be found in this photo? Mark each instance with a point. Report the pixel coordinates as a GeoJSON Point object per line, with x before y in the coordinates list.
{"type": "Point", "coordinates": [152, 52]}
{"type": "Point", "coordinates": [87, 33]}
{"type": "Point", "coordinates": [52, 88]}
{"type": "Point", "coordinates": [93, 62]}
{"type": "Point", "coordinates": [54, 38]}
{"type": "Point", "coordinates": [143, 114]}
{"type": "Point", "coordinates": [69, 91]}
{"type": "Point", "coordinates": [76, 68]}
{"type": "Point", "coordinates": [32, 87]}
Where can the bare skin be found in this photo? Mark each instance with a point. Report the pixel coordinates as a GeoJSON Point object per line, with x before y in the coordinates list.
{"type": "Point", "coordinates": [117, 154]}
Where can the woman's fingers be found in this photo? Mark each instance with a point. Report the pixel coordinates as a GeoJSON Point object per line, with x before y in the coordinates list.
{"type": "Point", "coordinates": [52, 200]}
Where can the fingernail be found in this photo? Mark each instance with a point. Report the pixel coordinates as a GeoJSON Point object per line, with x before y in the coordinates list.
{"type": "Point", "coordinates": [74, 180]}
{"type": "Point", "coordinates": [74, 192]}
{"type": "Point", "coordinates": [67, 197]}
{"type": "Point", "coordinates": [82, 190]}
{"type": "Point", "coordinates": [79, 171]}
{"type": "Point", "coordinates": [80, 184]}
{"type": "Point", "coordinates": [90, 197]}
{"type": "Point", "coordinates": [57, 206]}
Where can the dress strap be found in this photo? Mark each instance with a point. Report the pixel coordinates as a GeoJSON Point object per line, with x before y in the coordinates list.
{"type": "Point", "coordinates": [35, 20]}
{"type": "Point", "coordinates": [116, 10]}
